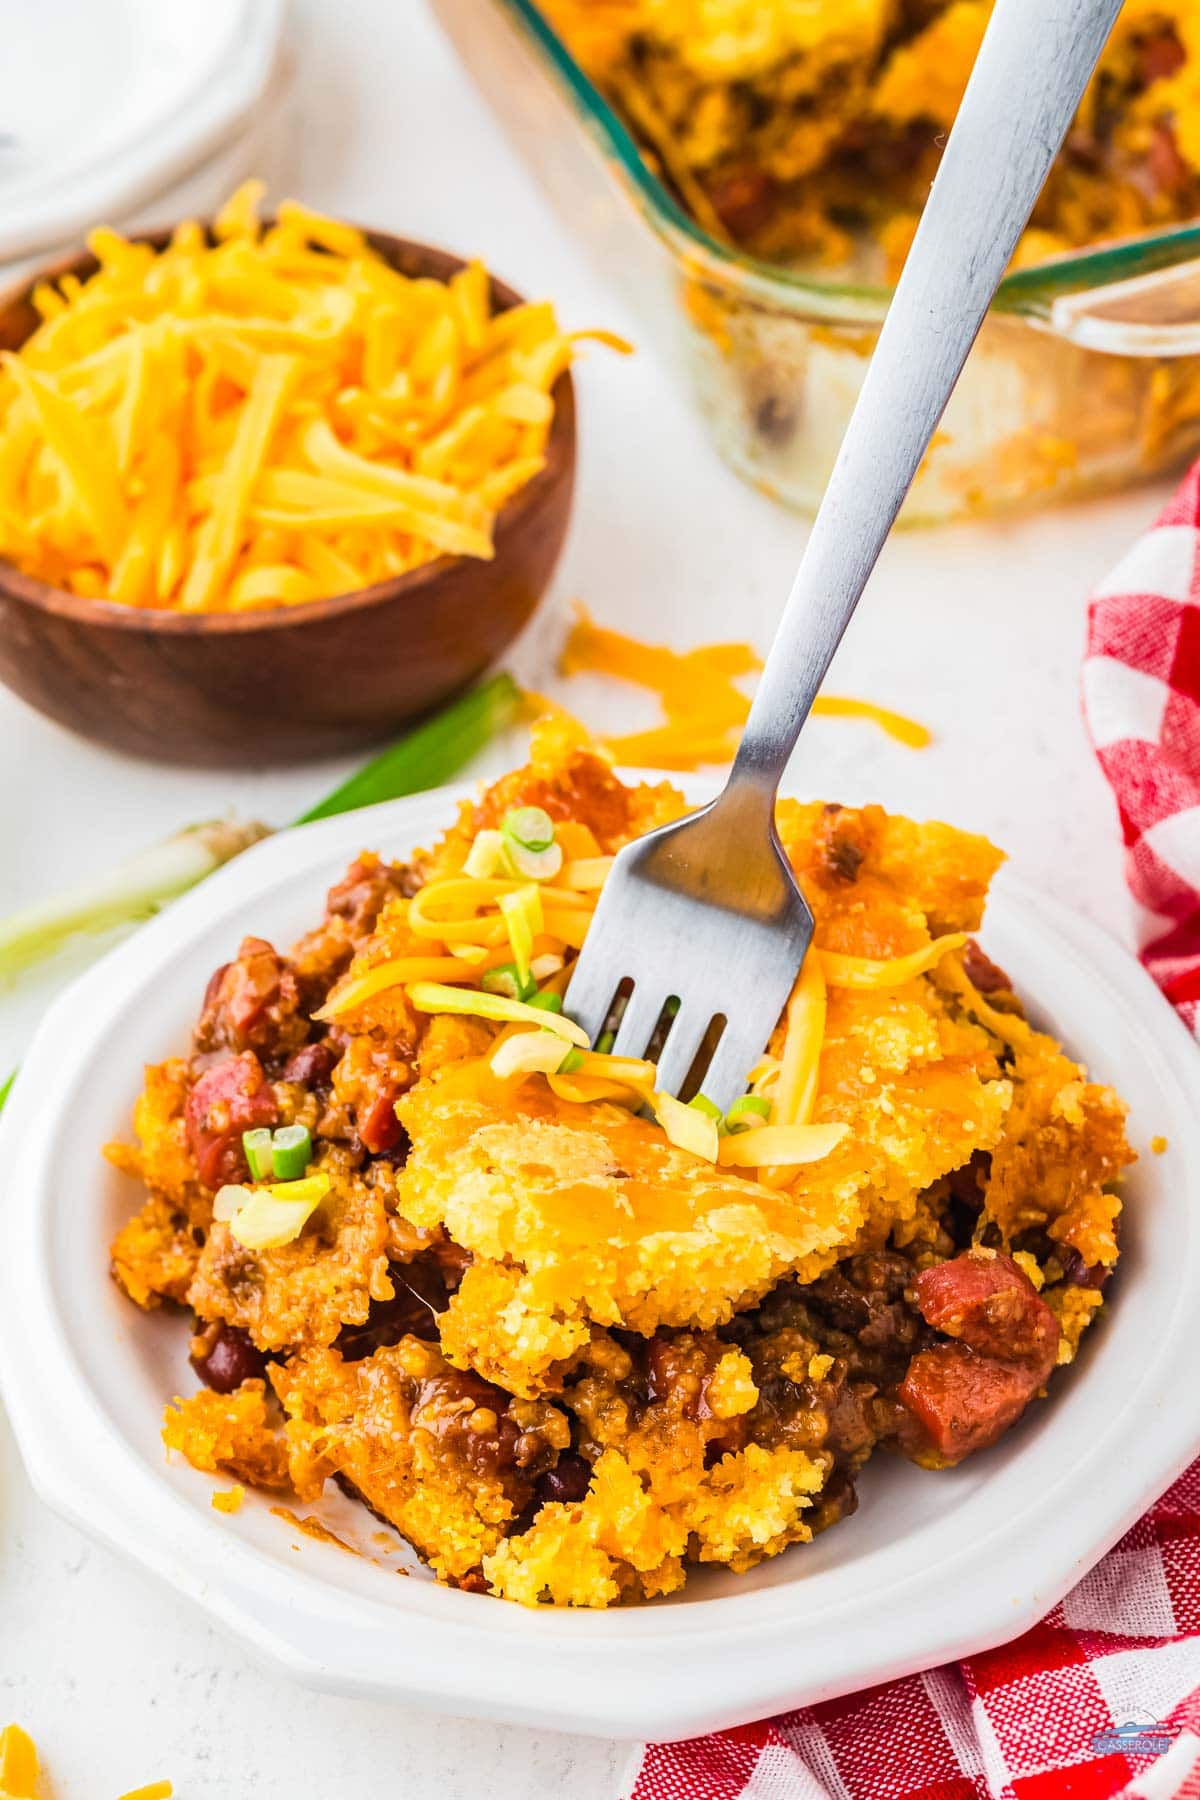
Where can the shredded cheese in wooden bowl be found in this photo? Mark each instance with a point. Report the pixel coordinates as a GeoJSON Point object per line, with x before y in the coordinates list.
{"type": "Point", "coordinates": [265, 415]}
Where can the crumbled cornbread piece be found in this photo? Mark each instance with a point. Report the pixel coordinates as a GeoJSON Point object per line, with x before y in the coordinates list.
{"type": "Point", "coordinates": [163, 1157]}
{"type": "Point", "coordinates": [229, 1500]}
{"type": "Point", "coordinates": [441, 1455]}
{"type": "Point", "coordinates": [154, 1256]}
{"type": "Point", "coordinates": [1074, 1308]}
{"type": "Point", "coordinates": [229, 1433]}
{"type": "Point", "coordinates": [1064, 1147]}
{"type": "Point", "coordinates": [305, 1291]}
{"type": "Point", "coordinates": [623, 1540]}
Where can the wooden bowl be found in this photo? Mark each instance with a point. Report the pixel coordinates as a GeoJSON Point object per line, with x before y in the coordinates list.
{"type": "Point", "coordinates": [292, 682]}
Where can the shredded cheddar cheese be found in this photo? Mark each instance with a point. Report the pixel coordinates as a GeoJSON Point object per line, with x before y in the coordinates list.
{"type": "Point", "coordinates": [19, 1770]}
{"type": "Point", "coordinates": [780, 1146]}
{"type": "Point", "coordinates": [861, 972]}
{"type": "Point", "coordinates": [267, 419]}
{"type": "Point", "coordinates": [18, 1764]}
{"type": "Point", "coordinates": [704, 707]}
{"type": "Point", "coordinates": [475, 917]}
{"type": "Point", "coordinates": [796, 1084]}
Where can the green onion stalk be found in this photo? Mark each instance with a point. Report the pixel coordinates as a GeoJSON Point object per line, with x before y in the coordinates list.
{"type": "Point", "coordinates": [424, 758]}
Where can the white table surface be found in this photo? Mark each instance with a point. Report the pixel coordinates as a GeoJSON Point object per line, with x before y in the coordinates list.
{"type": "Point", "coordinates": [976, 630]}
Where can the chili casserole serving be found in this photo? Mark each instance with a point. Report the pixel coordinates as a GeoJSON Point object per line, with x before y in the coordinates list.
{"type": "Point", "coordinates": [567, 1334]}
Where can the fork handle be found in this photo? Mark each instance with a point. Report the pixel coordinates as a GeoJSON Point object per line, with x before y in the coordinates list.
{"type": "Point", "coordinates": [1028, 80]}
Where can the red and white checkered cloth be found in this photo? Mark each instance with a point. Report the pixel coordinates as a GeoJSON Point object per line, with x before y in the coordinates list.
{"type": "Point", "coordinates": [1018, 1723]}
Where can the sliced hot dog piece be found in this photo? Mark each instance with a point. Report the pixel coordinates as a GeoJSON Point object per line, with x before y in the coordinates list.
{"type": "Point", "coordinates": [989, 1303]}
{"type": "Point", "coordinates": [963, 1400]}
{"type": "Point", "coordinates": [1004, 1342]}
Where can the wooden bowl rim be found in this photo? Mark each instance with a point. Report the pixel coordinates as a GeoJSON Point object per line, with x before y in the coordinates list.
{"type": "Point", "coordinates": [31, 590]}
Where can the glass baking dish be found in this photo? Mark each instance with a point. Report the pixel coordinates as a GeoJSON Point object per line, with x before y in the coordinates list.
{"type": "Point", "coordinates": [1086, 374]}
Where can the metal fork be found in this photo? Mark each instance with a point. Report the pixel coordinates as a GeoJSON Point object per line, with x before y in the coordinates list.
{"type": "Point", "coordinates": [704, 916]}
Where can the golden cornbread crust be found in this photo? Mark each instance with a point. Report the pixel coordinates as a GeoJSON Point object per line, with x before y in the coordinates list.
{"type": "Point", "coordinates": [564, 1357]}
{"type": "Point", "coordinates": [808, 129]}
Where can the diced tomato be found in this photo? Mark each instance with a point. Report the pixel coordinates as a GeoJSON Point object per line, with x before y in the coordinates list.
{"type": "Point", "coordinates": [231, 1097]}
{"type": "Point", "coordinates": [312, 1066]}
{"type": "Point", "coordinates": [378, 1126]}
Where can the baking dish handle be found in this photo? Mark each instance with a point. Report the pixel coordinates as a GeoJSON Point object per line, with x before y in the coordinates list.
{"type": "Point", "coordinates": [1145, 315]}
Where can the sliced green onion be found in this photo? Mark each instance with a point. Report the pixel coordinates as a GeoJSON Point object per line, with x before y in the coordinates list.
{"type": "Point", "coordinates": [277, 1215]}
{"type": "Point", "coordinates": [687, 1127]}
{"type": "Point", "coordinates": [527, 1053]}
{"type": "Point", "coordinates": [507, 980]}
{"type": "Point", "coordinates": [230, 1199]}
{"type": "Point", "coordinates": [522, 913]}
{"type": "Point", "coordinates": [708, 1107]}
{"type": "Point", "coordinates": [571, 1063]}
{"type": "Point", "coordinates": [6, 1090]}
{"type": "Point", "coordinates": [750, 1110]}
{"type": "Point", "coordinates": [258, 1148]}
{"type": "Point", "coordinates": [605, 1042]}
{"type": "Point", "coordinates": [134, 890]}
{"type": "Point", "coordinates": [531, 827]}
{"type": "Point", "coordinates": [535, 865]}
{"type": "Point", "coordinates": [431, 754]}
{"type": "Point", "coordinates": [487, 857]}
{"type": "Point", "coordinates": [291, 1151]}
{"type": "Point", "coordinates": [545, 1001]}
{"type": "Point", "coordinates": [138, 887]}
{"type": "Point", "coordinates": [529, 842]}
{"type": "Point", "coordinates": [435, 997]}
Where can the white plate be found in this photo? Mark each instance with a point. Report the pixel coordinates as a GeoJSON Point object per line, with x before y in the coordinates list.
{"type": "Point", "coordinates": [105, 102]}
{"type": "Point", "coordinates": [931, 1567]}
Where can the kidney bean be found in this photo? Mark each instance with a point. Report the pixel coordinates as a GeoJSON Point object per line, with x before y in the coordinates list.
{"type": "Point", "coordinates": [567, 1481]}
{"type": "Point", "coordinates": [988, 977]}
{"type": "Point", "coordinates": [230, 1359]}
{"type": "Point", "coordinates": [312, 1065]}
